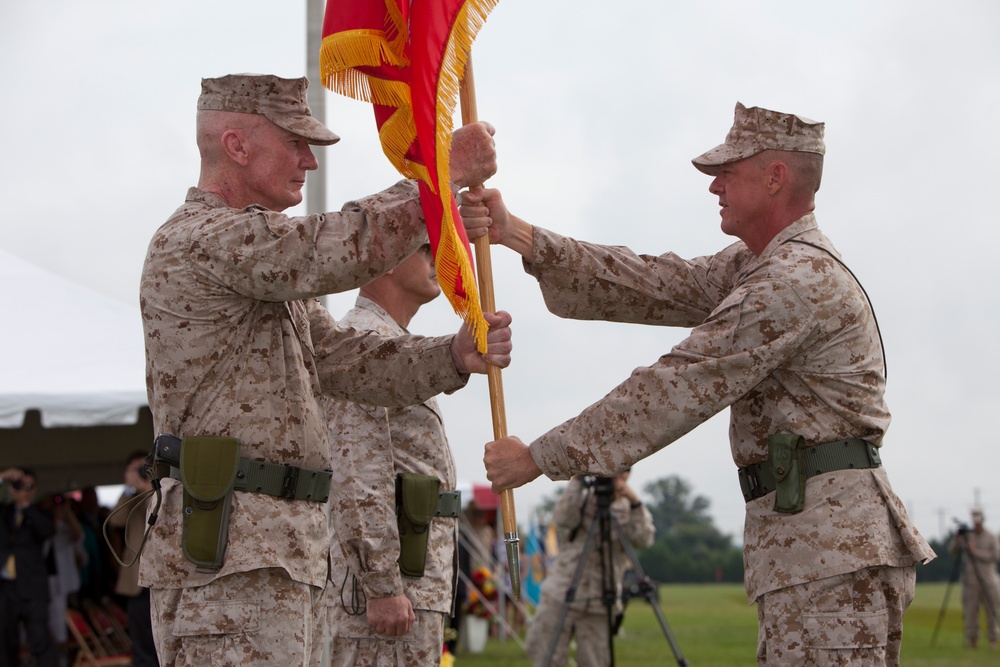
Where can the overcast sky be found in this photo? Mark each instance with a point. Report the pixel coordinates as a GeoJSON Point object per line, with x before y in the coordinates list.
{"type": "Point", "coordinates": [599, 108]}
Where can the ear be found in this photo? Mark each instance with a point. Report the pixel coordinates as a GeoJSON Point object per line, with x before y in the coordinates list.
{"type": "Point", "coordinates": [234, 145]}
{"type": "Point", "coordinates": [777, 176]}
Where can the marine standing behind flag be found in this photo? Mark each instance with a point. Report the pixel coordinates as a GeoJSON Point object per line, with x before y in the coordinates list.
{"type": "Point", "coordinates": [411, 61]}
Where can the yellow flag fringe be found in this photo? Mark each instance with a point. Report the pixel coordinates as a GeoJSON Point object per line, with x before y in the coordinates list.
{"type": "Point", "coordinates": [451, 251]}
{"type": "Point", "coordinates": [342, 52]}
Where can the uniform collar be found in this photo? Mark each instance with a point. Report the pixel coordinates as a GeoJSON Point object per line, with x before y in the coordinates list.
{"type": "Point", "coordinates": [804, 224]}
{"type": "Point", "coordinates": [380, 312]}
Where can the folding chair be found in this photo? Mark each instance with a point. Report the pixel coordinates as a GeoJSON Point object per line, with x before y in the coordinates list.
{"type": "Point", "coordinates": [89, 649]}
{"type": "Point", "coordinates": [119, 620]}
{"type": "Point", "coordinates": [104, 629]}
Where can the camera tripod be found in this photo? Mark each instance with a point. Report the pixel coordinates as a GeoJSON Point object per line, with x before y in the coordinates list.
{"type": "Point", "coordinates": [991, 613]}
{"type": "Point", "coordinates": [603, 522]}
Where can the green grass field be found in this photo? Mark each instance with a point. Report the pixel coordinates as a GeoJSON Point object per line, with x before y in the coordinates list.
{"type": "Point", "coordinates": [713, 627]}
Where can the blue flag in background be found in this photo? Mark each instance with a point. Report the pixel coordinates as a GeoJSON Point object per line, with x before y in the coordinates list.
{"type": "Point", "coordinates": [534, 565]}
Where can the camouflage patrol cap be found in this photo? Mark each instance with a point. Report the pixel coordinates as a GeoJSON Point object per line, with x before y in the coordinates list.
{"type": "Point", "coordinates": [281, 101]}
{"type": "Point", "coordinates": [756, 130]}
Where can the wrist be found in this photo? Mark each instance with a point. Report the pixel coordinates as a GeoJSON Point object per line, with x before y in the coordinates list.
{"type": "Point", "coordinates": [521, 237]}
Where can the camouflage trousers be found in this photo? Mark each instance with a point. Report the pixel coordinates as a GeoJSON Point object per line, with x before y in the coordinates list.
{"type": "Point", "coordinates": [249, 619]}
{"type": "Point", "coordinates": [978, 595]}
{"type": "Point", "coordinates": [588, 624]}
{"type": "Point", "coordinates": [850, 619]}
{"type": "Point", "coordinates": [357, 644]}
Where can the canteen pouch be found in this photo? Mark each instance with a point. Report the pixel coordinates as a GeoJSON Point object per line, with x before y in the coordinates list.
{"type": "Point", "coordinates": [208, 466]}
{"type": "Point", "coordinates": [788, 466]}
{"type": "Point", "coordinates": [416, 505]}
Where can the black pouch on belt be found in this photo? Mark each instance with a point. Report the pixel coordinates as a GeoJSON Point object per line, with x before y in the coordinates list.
{"type": "Point", "coordinates": [208, 466]}
{"type": "Point", "coordinates": [788, 466]}
{"type": "Point", "coordinates": [416, 504]}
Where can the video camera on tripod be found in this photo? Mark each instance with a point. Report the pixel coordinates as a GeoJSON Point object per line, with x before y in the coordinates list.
{"type": "Point", "coordinates": [601, 485]}
{"type": "Point", "coordinates": [963, 528]}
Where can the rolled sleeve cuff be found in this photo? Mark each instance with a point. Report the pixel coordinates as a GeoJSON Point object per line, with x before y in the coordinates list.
{"type": "Point", "coordinates": [383, 584]}
{"type": "Point", "coordinates": [551, 458]}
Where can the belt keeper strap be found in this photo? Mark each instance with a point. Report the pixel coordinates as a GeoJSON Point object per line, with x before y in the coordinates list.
{"type": "Point", "coordinates": [449, 504]}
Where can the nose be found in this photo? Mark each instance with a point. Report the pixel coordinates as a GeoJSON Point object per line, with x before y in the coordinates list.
{"type": "Point", "coordinates": [715, 187]}
{"type": "Point", "coordinates": [308, 161]}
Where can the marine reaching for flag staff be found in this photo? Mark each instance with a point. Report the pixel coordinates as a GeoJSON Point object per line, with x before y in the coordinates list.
{"type": "Point", "coordinates": [409, 60]}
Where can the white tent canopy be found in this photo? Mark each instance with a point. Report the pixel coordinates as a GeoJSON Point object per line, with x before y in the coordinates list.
{"type": "Point", "coordinates": [72, 378]}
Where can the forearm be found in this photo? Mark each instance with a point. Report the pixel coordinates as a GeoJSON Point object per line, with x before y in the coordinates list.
{"type": "Point", "coordinates": [393, 372]}
{"type": "Point", "coordinates": [589, 281]}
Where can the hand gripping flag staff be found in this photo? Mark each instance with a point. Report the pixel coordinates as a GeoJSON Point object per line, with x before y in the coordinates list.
{"type": "Point", "coordinates": [407, 58]}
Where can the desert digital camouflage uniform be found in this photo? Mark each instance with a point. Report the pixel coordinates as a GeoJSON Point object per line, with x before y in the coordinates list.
{"type": "Point", "coordinates": [789, 343]}
{"type": "Point", "coordinates": [980, 584]}
{"type": "Point", "coordinates": [369, 445]}
{"type": "Point", "coordinates": [586, 617]}
{"type": "Point", "coordinates": [237, 345]}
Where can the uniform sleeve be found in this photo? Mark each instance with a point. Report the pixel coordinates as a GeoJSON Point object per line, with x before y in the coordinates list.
{"type": "Point", "coordinates": [988, 549]}
{"type": "Point", "coordinates": [370, 368]}
{"type": "Point", "coordinates": [566, 514]}
{"type": "Point", "coordinates": [268, 256]}
{"type": "Point", "coordinates": [364, 516]}
{"type": "Point", "coordinates": [639, 528]}
{"type": "Point", "coordinates": [588, 281]}
{"type": "Point", "coordinates": [753, 332]}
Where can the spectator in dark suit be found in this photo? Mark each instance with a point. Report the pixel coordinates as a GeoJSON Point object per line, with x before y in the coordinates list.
{"type": "Point", "coordinates": [24, 575]}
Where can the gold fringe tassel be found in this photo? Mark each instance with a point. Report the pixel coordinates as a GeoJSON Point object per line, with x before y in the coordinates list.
{"type": "Point", "coordinates": [452, 260]}
{"type": "Point", "coordinates": [342, 52]}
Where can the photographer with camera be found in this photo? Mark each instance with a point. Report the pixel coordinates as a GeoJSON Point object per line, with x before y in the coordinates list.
{"type": "Point", "coordinates": [980, 584]}
{"type": "Point", "coordinates": [588, 614]}
{"type": "Point", "coordinates": [24, 574]}
{"type": "Point", "coordinates": [130, 523]}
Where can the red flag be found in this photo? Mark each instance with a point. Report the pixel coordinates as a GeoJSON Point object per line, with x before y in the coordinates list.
{"type": "Point", "coordinates": [407, 59]}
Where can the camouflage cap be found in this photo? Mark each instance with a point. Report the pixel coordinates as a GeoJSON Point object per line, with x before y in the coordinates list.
{"type": "Point", "coordinates": [281, 101]}
{"type": "Point", "coordinates": [756, 130]}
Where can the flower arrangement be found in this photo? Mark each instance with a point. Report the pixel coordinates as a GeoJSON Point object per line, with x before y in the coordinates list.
{"type": "Point", "coordinates": [483, 588]}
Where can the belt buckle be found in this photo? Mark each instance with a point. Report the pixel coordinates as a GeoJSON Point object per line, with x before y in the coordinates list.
{"type": "Point", "coordinates": [289, 482]}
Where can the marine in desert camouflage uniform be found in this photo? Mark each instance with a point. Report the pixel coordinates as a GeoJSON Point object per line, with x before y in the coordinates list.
{"type": "Point", "coordinates": [238, 346]}
{"type": "Point", "coordinates": [372, 605]}
{"type": "Point", "coordinates": [783, 335]}
{"type": "Point", "coordinates": [980, 550]}
{"type": "Point", "coordinates": [587, 617]}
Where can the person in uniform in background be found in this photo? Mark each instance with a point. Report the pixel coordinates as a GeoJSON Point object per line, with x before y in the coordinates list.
{"type": "Point", "coordinates": [379, 615]}
{"type": "Point", "coordinates": [587, 617]}
{"type": "Point", "coordinates": [238, 349]}
{"type": "Point", "coordinates": [24, 572]}
{"type": "Point", "coordinates": [980, 584]}
{"type": "Point", "coordinates": [783, 335]}
{"type": "Point", "coordinates": [129, 518]}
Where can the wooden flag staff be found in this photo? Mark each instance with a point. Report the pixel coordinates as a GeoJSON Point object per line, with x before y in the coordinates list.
{"type": "Point", "coordinates": [484, 276]}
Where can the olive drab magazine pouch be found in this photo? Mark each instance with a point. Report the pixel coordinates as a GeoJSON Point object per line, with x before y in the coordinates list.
{"type": "Point", "coordinates": [788, 466]}
{"type": "Point", "coordinates": [208, 466]}
{"type": "Point", "coordinates": [416, 505]}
